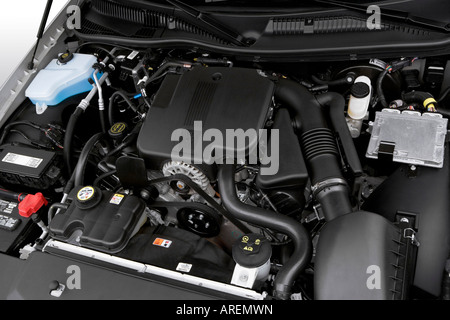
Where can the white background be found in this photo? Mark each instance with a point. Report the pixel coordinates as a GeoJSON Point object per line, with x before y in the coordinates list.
{"type": "Point", "coordinates": [19, 24]}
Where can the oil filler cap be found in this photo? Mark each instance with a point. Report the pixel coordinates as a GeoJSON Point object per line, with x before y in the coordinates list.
{"type": "Point", "coordinates": [252, 251]}
{"type": "Point", "coordinates": [88, 197]}
{"type": "Point", "coordinates": [118, 130]}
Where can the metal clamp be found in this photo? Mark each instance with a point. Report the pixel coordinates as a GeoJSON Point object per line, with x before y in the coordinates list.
{"type": "Point", "coordinates": [411, 235]}
{"type": "Point", "coordinates": [319, 186]}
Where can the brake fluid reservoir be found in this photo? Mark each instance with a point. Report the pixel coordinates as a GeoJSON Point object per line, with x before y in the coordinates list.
{"type": "Point", "coordinates": [61, 79]}
{"type": "Point", "coordinates": [358, 105]}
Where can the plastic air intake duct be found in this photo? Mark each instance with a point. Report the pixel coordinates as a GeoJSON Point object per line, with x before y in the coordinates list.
{"type": "Point", "coordinates": [318, 144]}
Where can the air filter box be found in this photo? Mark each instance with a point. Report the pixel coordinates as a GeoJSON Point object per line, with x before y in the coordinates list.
{"type": "Point", "coordinates": [362, 256]}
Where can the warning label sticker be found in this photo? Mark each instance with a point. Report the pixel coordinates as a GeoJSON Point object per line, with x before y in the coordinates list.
{"type": "Point", "coordinates": [162, 242]}
{"type": "Point", "coordinates": [117, 199]}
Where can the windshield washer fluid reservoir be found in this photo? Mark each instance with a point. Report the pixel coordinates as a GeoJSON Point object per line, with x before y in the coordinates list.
{"type": "Point", "coordinates": [59, 81]}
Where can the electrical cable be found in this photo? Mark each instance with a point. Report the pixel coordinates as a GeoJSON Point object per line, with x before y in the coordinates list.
{"type": "Point", "coordinates": [112, 99]}
{"type": "Point", "coordinates": [443, 95]}
{"type": "Point", "coordinates": [103, 176]}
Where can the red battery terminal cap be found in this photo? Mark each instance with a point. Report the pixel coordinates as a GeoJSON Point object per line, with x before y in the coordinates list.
{"type": "Point", "coordinates": [31, 204]}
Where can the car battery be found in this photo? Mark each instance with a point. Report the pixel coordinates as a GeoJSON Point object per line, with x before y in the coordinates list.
{"type": "Point", "coordinates": [14, 228]}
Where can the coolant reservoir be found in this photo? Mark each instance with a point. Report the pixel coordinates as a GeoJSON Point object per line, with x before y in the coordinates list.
{"type": "Point", "coordinates": [61, 80]}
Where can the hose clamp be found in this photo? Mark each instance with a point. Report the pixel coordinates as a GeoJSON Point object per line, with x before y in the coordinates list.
{"type": "Point", "coordinates": [319, 186]}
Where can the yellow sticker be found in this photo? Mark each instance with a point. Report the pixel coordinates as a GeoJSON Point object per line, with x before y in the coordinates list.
{"type": "Point", "coordinates": [117, 199]}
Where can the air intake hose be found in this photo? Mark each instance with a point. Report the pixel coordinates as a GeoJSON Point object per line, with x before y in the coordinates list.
{"type": "Point", "coordinates": [323, 161]}
{"type": "Point", "coordinates": [319, 146]}
{"type": "Point", "coordinates": [265, 218]}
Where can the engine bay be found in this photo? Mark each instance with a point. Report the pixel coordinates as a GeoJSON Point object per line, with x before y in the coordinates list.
{"type": "Point", "coordinates": [162, 157]}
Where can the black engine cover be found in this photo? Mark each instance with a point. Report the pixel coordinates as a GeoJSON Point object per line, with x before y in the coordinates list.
{"type": "Point", "coordinates": [221, 98]}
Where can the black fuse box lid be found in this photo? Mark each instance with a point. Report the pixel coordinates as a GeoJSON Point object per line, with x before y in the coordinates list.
{"type": "Point", "coordinates": [26, 162]}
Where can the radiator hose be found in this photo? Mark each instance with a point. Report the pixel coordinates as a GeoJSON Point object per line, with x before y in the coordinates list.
{"type": "Point", "coordinates": [295, 230]}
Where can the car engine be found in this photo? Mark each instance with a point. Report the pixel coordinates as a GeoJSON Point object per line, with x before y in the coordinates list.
{"type": "Point", "coordinates": [259, 179]}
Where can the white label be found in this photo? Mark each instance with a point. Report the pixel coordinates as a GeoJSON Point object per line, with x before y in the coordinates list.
{"type": "Point", "coordinates": [133, 55]}
{"type": "Point", "coordinates": [378, 63]}
{"type": "Point", "coordinates": [7, 207]}
{"type": "Point", "coordinates": [22, 160]}
{"type": "Point", "coordinates": [184, 267]}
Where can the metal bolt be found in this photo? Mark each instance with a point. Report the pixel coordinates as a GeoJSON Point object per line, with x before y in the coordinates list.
{"type": "Point", "coordinates": [243, 277]}
{"type": "Point", "coordinates": [145, 194]}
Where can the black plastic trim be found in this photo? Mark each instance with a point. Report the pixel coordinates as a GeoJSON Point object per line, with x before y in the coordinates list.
{"type": "Point", "coordinates": [331, 52]}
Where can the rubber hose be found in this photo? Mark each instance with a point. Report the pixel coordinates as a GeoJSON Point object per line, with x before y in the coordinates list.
{"type": "Point", "coordinates": [295, 230]}
{"type": "Point", "coordinates": [336, 109]}
{"type": "Point", "coordinates": [379, 85]}
{"type": "Point", "coordinates": [318, 145]}
{"type": "Point", "coordinates": [53, 208]}
{"type": "Point", "coordinates": [68, 138]}
{"type": "Point", "coordinates": [111, 105]}
{"type": "Point", "coordinates": [83, 160]}
{"type": "Point", "coordinates": [13, 196]}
